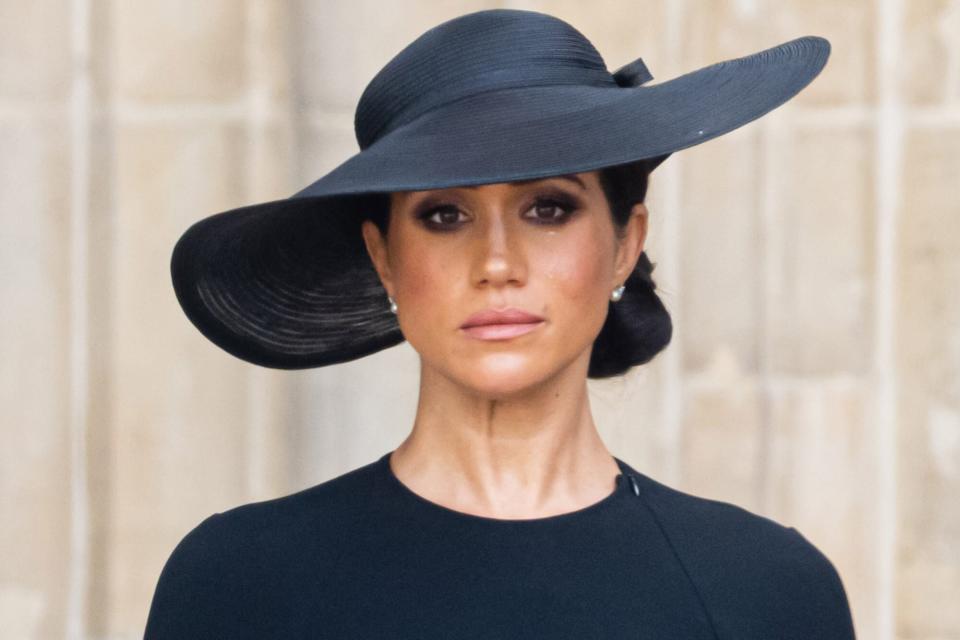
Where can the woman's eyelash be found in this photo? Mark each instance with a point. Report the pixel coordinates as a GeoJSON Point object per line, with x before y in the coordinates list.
{"type": "Point", "coordinates": [565, 205]}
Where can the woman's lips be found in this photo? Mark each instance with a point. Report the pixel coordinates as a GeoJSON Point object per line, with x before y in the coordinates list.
{"type": "Point", "coordinates": [508, 315]}
{"type": "Point", "coordinates": [501, 324]}
{"type": "Point", "coordinates": [501, 331]}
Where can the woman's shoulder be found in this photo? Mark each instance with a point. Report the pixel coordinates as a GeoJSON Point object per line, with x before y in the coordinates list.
{"type": "Point", "coordinates": [314, 517]}
{"type": "Point", "coordinates": [706, 519]}
{"type": "Point", "coordinates": [332, 506]}
{"type": "Point", "coordinates": [221, 562]}
{"type": "Point", "coordinates": [755, 575]}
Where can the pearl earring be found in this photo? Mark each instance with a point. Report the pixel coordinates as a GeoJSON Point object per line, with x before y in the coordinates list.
{"type": "Point", "coordinates": [618, 293]}
{"type": "Point", "coordinates": [393, 305]}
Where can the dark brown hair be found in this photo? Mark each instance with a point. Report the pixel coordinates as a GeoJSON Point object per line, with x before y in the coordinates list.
{"type": "Point", "coordinates": [638, 326]}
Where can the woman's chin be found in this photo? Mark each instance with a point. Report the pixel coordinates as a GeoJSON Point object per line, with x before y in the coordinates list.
{"type": "Point", "coordinates": [504, 374]}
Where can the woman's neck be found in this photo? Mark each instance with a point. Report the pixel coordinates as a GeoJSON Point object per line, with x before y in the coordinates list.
{"type": "Point", "coordinates": [522, 455]}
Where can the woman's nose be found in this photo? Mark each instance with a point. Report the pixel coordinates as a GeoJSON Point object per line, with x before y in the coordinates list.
{"type": "Point", "coordinates": [498, 254]}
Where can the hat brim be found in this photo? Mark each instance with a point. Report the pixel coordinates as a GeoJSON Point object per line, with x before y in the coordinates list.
{"type": "Point", "coordinates": [518, 133]}
{"type": "Point", "coordinates": [288, 284]}
{"type": "Point", "coordinates": [285, 284]}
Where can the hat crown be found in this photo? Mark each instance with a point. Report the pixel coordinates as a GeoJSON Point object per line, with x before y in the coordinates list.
{"type": "Point", "coordinates": [473, 53]}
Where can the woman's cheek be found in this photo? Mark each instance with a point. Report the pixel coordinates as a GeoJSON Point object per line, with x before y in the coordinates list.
{"type": "Point", "coordinates": [577, 275]}
{"type": "Point", "coordinates": [423, 279]}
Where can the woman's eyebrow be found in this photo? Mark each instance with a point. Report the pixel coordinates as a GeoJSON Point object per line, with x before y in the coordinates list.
{"type": "Point", "coordinates": [569, 177]}
{"type": "Point", "coordinates": [473, 187]}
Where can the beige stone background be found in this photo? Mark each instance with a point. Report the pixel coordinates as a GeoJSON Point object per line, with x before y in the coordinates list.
{"type": "Point", "coordinates": [811, 260]}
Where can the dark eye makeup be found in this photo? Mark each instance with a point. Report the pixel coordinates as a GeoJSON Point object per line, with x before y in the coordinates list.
{"type": "Point", "coordinates": [442, 216]}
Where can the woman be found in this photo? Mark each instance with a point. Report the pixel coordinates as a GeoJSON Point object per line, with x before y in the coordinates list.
{"type": "Point", "coordinates": [494, 218]}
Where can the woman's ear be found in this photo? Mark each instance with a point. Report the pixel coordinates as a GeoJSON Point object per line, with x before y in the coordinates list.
{"type": "Point", "coordinates": [631, 245]}
{"type": "Point", "coordinates": [377, 250]}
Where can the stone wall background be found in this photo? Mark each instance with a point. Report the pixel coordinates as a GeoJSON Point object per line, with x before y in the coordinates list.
{"type": "Point", "coordinates": [811, 260]}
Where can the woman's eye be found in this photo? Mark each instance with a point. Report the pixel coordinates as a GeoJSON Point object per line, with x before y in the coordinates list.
{"type": "Point", "coordinates": [547, 211]}
{"type": "Point", "coordinates": [556, 212]}
{"type": "Point", "coordinates": [441, 216]}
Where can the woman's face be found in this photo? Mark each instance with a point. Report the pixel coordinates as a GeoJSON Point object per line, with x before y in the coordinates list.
{"type": "Point", "coordinates": [546, 247]}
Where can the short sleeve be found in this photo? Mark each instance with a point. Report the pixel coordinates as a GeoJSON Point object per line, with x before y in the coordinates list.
{"type": "Point", "coordinates": [826, 608]}
{"type": "Point", "coordinates": [194, 596]}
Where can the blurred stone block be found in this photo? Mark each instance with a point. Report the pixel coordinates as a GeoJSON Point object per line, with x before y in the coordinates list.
{"type": "Point", "coordinates": [928, 364]}
{"type": "Point", "coordinates": [820, 260]}
{"type": "Point", "coordinates": [820, 471]}
{"type": "Point", "coordinates": [35, 50]}
{"type": "Point", "coordinates": [929, 70]}
{"type": "Point", "coordinates": [324, 143]}
{"type": "Point", "coordinates": [179, 442]}
{"type": "Point", "coordinates": [270, 32]}
{"type": "Point", "coordinates": [354, 411]}
{"type": "Point", "coordinates": [722, 424]}
{"type": "Point", "coordinates": [270, 161]}
{"type": "Point", "coordinates": [631, 417]}
{"type": "Point", "coordinates": [35, 385]}
{"type": "Point", "coordinates": [722, 29]}
{"type": "Point", "coordinates": [22, 611]}
{"type": "Point", "coordinates": [720, 239]}
{"type": "Point", "coordinates": [344, 43]}
{"type": "Point", "coordinates": [180, 50]}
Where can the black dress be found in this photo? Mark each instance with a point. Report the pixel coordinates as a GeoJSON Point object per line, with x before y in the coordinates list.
{"type": "Point", "coordinates": [363, 556]}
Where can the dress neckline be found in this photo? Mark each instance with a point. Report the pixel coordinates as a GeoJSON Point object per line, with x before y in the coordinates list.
{"type": "Point", "coordinates": [624, 485]}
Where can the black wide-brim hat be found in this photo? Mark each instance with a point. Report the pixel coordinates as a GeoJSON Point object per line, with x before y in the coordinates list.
{"type": "Point", "coordinates": [491, 96]}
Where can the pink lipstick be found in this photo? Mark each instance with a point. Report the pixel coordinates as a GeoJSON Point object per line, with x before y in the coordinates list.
{"type": "Point", "coordinates": [501, 324]}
